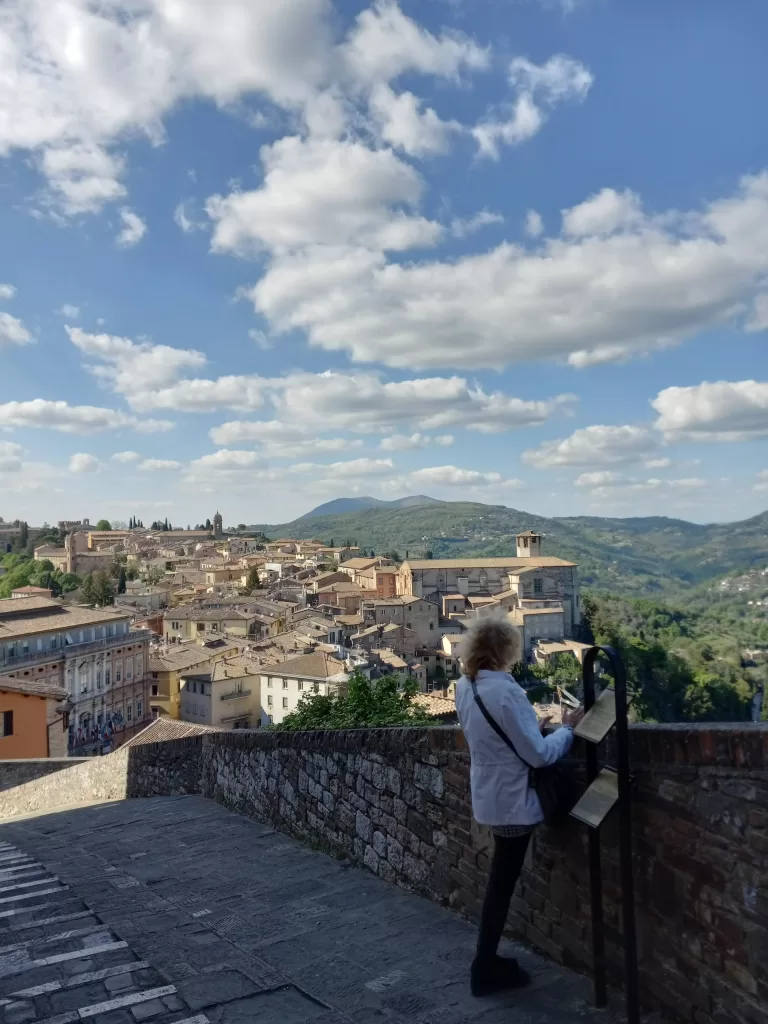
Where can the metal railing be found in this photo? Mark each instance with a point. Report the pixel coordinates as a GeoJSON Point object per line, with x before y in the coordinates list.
{"type": "Point", "coordinates": [72, 650]}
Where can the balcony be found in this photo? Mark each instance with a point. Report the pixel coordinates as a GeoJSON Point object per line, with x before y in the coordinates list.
{"type": "Point", "coordinates": [234, 694]}
{"type": "Point", "coordinates": [8, 662]}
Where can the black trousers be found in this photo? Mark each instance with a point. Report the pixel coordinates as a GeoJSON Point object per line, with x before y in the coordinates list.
{"type": "Point", "coordinates": [506, 865]}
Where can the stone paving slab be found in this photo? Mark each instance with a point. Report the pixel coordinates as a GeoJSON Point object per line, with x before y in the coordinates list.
{"type": "Point", "coordinates": [221, 920]}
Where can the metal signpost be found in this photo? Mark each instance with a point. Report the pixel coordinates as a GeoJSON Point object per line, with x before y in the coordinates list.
{"type": "Point", "coordinates": [606, 787]}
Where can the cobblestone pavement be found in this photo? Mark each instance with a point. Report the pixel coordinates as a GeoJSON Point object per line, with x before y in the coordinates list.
{"type": "Point", "coordinates": [174, 909]}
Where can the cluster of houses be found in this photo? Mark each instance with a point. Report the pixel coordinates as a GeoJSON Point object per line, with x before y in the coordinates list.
{"type": "Point", "coordinates": [228, 631]}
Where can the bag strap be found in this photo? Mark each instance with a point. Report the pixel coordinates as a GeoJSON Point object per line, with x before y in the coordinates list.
{"type": "Point", "coordinates": [495, 725]}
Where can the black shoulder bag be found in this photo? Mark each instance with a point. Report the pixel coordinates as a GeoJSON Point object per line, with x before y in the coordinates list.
{"type": "Point", "coordinates": [555, 790]}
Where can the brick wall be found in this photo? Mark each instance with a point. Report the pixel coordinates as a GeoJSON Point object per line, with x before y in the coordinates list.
{"type": "Point", "coordinates": [397, 802]}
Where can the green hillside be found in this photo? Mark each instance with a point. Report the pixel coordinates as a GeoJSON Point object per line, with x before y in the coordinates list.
{"type": "Point", "coordinates": [641, 556]}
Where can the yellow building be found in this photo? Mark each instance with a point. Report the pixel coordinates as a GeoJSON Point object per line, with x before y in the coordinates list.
{"type": "Point", "coordinates": [167, 665]}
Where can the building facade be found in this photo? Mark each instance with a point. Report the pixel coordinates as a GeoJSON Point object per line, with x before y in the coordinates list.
{"type": "Point", "coordinates": [34, 719]}
{"type": "Point", "coordinates": [93, 654]}
{"type": "Point", "coordinates": [283, 685]}
{"type": "Point", "coordinates": [227, 695]}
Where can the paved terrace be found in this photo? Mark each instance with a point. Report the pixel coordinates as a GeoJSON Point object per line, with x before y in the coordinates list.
{"type": "Point", "coordinates": [175, 909]}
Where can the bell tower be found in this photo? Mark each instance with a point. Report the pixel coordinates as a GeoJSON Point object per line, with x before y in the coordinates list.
{"type": "Point", "coordinates": [218, 525]}
{"type": "Point", "coordinates": [529, 544]}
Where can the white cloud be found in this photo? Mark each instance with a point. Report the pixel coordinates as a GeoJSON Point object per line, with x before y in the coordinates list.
{"type": "Point", "coordinates": [225, 459]}
{"type": "Point", "coordinates": [534, 225]}
{"type": "Point", "coordinates": [81, 462]}
{"type": "Point", "coordinates": [185, 219]}
{"type": "Point", "coordinates": [405, 442]}
{"type": "Point", "coordinates": [127, 456]}
{"type": "Point", "coordinates": [469, 225]}
{"type": "Point", "coordinates": [13, 331]}
{"type": "Point", "coordinates": [323, 192]}
{"type": "Point", "coordinates": [537, 88]}
{"type": "Point", "coordinates": [385, 43]}
{"type": "Point", "coordinates": [599, 478]}
{"type": "Point", "coordinates": [262, 340]}
{"type": "Point", "coordinates": [69, 311]}
{"type": "Point", "coordinates": [279, 440]}
{"type": "Point", "coordinates": [363, 403]}
{"type": "Point", "coordinates": [593, 446]}
{"type": "Point", "coordinates": [582, 299]}
{"type": "Point", "coordinates": [758, 321]}
{"type": "Point", "coordinates": [7, 291]}
{"type": "Point", "coordinates": [761, 481]}
{"type": "Point", "coordinates": [658, 463]}
{"type": "Point", "coordinates": [10, 457]}
{"type": "Point", "coordinates": [717, 411]}
{"type": "Point", "coordinates": [691, 483]}
{"type": "Point", "coordinates": [404, 124]}
{"type": "Point", "coordinates": [133, 230]}
{"type": "Point", "coordinates": [454, 476]}
{"type": "Point", "coordinates": [73, 419]}
{"type": "Point", "coordinates": [603, 214]}
{"type": "Point", "coordinates": [353, 468]}
{"type": "Point", "coordinates": [158, 465]}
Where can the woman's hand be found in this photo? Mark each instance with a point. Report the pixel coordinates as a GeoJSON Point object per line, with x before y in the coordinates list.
{"type": "Point", "coordinates": [573, 716]}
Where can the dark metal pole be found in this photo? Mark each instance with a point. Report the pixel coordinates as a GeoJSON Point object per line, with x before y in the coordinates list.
{"type": "Point", "coordinates": [595, 867]}
{"type": "Point", "coordinates": [625, 838]}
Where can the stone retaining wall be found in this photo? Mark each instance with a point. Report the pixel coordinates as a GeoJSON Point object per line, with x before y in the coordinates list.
{"type": "Point", "coordinates": [397, 802]}
{"type": "Point", "coordinates": [16, 772]}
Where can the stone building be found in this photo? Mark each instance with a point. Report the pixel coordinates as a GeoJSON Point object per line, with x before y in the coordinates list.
{"type": "Point", "coordinates": [226, 694]}
{"type": "Point", "coordinates": [92, 653]}
{"type": "Point", "coordinates": [530, 579]}
{"type": "Point", "coordinates": [284, 684]}
{"type": "Point", "coordinates": [408, 611]}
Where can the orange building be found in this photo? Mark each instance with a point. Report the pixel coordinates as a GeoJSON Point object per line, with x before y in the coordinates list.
{"type": "Point", "coordinates": [34, 720]}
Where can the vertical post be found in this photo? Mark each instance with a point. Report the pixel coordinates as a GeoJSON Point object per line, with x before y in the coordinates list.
{"type": "Point", "coordinates": [625, 838]}
{"type": "Point", "coordinates": [595, 867]}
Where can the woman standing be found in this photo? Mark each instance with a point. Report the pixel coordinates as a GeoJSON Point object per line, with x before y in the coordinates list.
{"type": "Point", "coordinates": [502, 796]}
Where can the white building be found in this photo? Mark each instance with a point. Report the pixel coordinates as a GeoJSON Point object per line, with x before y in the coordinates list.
{"type": "Point", "coordinates": [284, 684]}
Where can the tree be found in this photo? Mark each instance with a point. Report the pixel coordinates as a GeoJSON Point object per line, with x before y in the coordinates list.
{"type": "Point", "coordinates": [23, 535]}
{"type": "Point", "coordinates": [103, 589]}
{"type": "Point", "coordinates": [103, 524]}
{"type": "Point", "coordinates": [87, 591]}
{"type": "Point", "coordinates": [121, 580]}
{"type": "Point", "coordinates": [332, 543]}
{"type": "Point", "coordinates": [252, 582]}
{"type": "Point", "coordinates": [365, 704]}
{"type": "Point", "coordinates": [208, 525]}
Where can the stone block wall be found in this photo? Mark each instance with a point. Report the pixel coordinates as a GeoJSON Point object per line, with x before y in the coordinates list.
{"type": "Point", "coordinates": [16, 772]}
{"type": "Point", "coordinates": [396, 801]}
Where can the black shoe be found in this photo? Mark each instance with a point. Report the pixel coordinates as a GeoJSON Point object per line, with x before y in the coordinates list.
{"type": "Point", "coordinates": [498, 975]}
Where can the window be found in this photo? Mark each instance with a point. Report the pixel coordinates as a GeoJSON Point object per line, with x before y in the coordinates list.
{"type": "Point", "coordinates": [128, 670]}
{"type": "Point", "coordinates": [269, 701]}
{"type": "Point", "coordinates": [202, 688]}
{"type": "Point", "coordinates": [119, 670]}
{"type": "Point", "coordinates": [155, 712]}
{"type": "Point", "coordinates": [285, 684]}
{"type": "Point", "coordinates": [139, 665]}
{"type": "Point", "coordinates": [537, 585]}
{"type": "Point", "coordinates": [175, 625]}
{"type": "Point", "coordinates": [269, 682]}
{"type": "Point", "coordinates": [107, 675]}
{"type": "Point", "coordinates": [129, 712]}
{"type": "Point", "coordinates": [6, 723]}
{"type": "Point", "coordinates": [155, 690]}
{"type": "Point", "coordinates": [301, 685]}
{"type": "Point", "coordinates": [285, 702]}
{"type": "Point", "coordinates": [316, 687]}
{"type": "Point", "coordinates": [98, 677]}
{"type": "Point", "coordinates": [201, 627]}
{"type": "Point", "coordinates": [154, 675]}
{"type": "Point", "coordinates": [193, 687]}
{"type": "Point", "coordinates": [139, 708]}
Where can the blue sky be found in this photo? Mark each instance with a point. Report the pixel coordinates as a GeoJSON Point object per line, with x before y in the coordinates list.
{"type": "Point", "coordinates": [258, 256]}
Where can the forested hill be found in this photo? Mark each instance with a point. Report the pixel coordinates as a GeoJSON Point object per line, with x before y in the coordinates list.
{"type": "Point", "coordinates": [639, 555]}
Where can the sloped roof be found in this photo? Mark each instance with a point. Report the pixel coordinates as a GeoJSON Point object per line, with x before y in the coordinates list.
{"type": "Point", "coordinates": [164, 729]}
{"type": "Point", "coordinates": [32, 687]}
{"type": "Point", "coordinates": [512, 562]}
{"type": "Point", "coordinates": [317, 665]}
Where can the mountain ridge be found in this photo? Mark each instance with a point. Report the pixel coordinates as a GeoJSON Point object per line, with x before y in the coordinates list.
{"type": "Point", "coordinates": [340, 506]}
{"type": "Point", "coordinates": [641, 555]}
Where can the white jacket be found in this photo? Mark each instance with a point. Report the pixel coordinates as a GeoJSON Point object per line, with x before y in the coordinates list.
{"type": "Point", "coordinates": [501, 794]}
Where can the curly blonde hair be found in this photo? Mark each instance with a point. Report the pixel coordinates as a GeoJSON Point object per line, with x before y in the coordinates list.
{"type": "Point", "coordinates": [492, 642]}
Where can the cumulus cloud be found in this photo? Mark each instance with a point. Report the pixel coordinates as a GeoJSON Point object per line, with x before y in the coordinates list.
{"type": "Point", "coordinates": [599, 478]}
{"type": "Point", "coordinates": [534, 225]}
{"type": "Point", "coordinates": [278, 439]}
{"type": "Point", "coordinates": [158, 465]}
{"type": "Point", "coordinates": [73, 419]}
{"type": "Point", "coordinates": [593, 446]}
{"type": "Point", "coordinates": [81, 462]}
{"type": "Point", "coordinates": [133, 229]}
{"type": "Point", "coordinates": [185, 219]}
{"type": "Point", "coordinates": [761, 481]}
{"type": "Point", "coordinates": [653, 282]}
{"type": "Point", "coordinates": [406, 442]}
{"type": "Point", "coordinates": [406, 124]}
{"type": "Point", "coordinates": [126, 456]}
{"type": "Point", "coordinates": [7, 291]}
{"type": "Point", "coordinates": [323, 192]}
{"type": "Point", "coordinates": [353, 468]}
{"type": "Point", "coordinates": [664, 463]}
{"type": "Point", "coordinates": [537, 89]}
{"type": "Point", "coordinates": [13, 331]}
{"type": "Point", "coordinates": [717, 411]}
{"type": "Point", "coordinates": [454, 476]}
{"type": "Point", "coordinates": [603, 214]}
